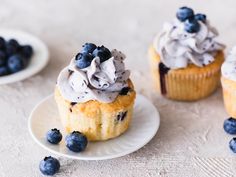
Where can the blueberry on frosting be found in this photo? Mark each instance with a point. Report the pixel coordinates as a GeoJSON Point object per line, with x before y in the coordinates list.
{"type": "Point", "coordinates": [184, 13]}
{"type": "Point", "coordinates": [200, 17]}
{"type": "Point", "coordinates": [102, 52]}
{"type": "Point", "coordinates": [83, 60]}
{"type": "Point", "coordinates": [191, 26]}
{"type": "Point", "coordinates": [88, 48]}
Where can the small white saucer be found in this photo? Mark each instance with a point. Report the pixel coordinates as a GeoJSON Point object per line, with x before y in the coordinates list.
{"type": "Point", "coordinates": [143, 128]}
{"type": "Point", "coordinates": [38, 61]}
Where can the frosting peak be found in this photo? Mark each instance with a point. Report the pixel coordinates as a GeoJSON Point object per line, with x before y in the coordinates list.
{"type": "Point", "coordinates": [178, 48]}
{"type": "Point", "coordinates": [100, 81]}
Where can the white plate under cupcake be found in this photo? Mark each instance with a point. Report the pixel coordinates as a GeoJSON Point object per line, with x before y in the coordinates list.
{"type": "Point", "coordinates": [38, 61]}
{"type": "Point", "coordinates": [144, 125]}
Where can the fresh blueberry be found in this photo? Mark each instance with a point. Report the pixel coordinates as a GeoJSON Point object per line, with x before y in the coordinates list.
{"type": "Point", "coordinates": [230, 126]}
{"type": "Point", "coordinates": [89, 47]}
{"type": "Point", "coordinates": [76, 141]}
{"type": "Point", "coordinates": [15, 63]}
{"type": "Point", "coordinates": [49, 166]}
{"type": "Point", "coordinates": [184, 13]}
{"type": "Point", "coordinates": [54, 136]}
{"type": "Point", "coordinates": [12, 47]}
{"type": "Point", "coordinates": [2, 43]}
{"type": "Point", "coordinates": [4, 71]}
{"type": "Point", "coordinates": [191, 26]}
{"type": "Point", "coordinates": [200, 17]}
{"type": "Point", "coordinates": [26, 51]}
{"type": "Point", "coordinates": [3, 58]}
{"type": "Point", "coordinates": [83, 60]}
{"type": "Point", "coordinates": [232, 144]}
{"type": "Point", "coordinates": [103, 53]}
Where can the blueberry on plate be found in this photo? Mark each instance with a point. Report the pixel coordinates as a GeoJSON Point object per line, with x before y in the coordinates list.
{"type": "Point", "coordinates": [230, 126]}
{"type": "Point", "coordinates": [76, 141]}
{"type": "Point", "coordinates": [103, 53]}
{"type": "Point", "coordinates": [4, 71]}
{"type": "Point", "coordinates": [184, 13]}
{"type": "Point", "coordinates": [26, 51]}
{"type": "Point", "coordinates": [54, 136]}
{"type": "Point", "coordinates": [12, 47]}
{"type": "Point", "coordinates": [88, 48]}
{"type": "Point", "coordinates": [83, 60]}
{"type": "Point", "coordinates": [15, 63]}
{"type": "Point", "coordinates": [200, 17]}
{"type": "Point", "coordinates": [49, 166]}
{"type": "Point", "coordinates": [191, 26]}
{"type": "Point", "coordinates": [3, 58]}
{"type": "Point", "coordinates": [232, 144]}
{"type": "Point", "coordinates": [2, 43]}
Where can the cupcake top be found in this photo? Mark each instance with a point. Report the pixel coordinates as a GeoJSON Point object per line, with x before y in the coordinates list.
{"type": "Point", "coordinates": [187, 39]}
{"type": "Point", "coordinates": [95, 73]}
{"type": "Point", "coordinates": [228, 68]}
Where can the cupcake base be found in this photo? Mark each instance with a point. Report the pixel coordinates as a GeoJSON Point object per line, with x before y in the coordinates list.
{"type": "Point", "coordinates": [98, 121]}
{"type": "Point", "coordinates": [187, 84]}
{"type": "Point", "coordinates": [229, 95]}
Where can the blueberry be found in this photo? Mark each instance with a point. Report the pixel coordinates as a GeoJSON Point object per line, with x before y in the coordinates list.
{"type": "Point", "coordinates": [230, 126]}
{"type": "Point", "coordinates": [49, 166]}
{"type": "Point", "coordinates": [184, 13]}
{"type": "Point", "coordinates": [4, 71]}
{"type": "Point", "coordinates": [89, 47]}
{"type": "Point", "coordinates": [54, 136]}
{"type": "Point", "coordinates": [15, 63]}
{"type": "Point", "coordinates": [26, 51]}
{"type": "Point", "coordinates": [12, 47]}
{"type": "Point", "coordinates": [76, 141]}
{"type": "Point", "coordinates": [200, 17]}
{"type": "Point", "coordinates": [3, 58]}
{"type": "Point", "coordinates": [232, 144]}
{"type": "Point", "coordinates": [2, 43]}
{"type": "Point", "coordinates": [191, 26]}
{"type": "Point", "coordinates": [103, 53]}
{"type": "Point", "coordinates": [83, 60]}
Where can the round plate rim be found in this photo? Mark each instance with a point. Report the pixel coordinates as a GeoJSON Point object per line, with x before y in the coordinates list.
{"type": "Point", "coordinates": [27, 72]}
{"type": "Point", "coordinates": [94, 158]}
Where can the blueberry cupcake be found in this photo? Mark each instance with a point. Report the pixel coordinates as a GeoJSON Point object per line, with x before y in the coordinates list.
{"type": "Point", "coordinates": [94, 93]}
{"type": "Point", "coordinates": [228, 81]}
{"type": "Point", "coordinates": [185, 57]}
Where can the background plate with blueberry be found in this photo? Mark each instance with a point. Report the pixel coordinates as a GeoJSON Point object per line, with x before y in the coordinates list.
{"type": "Point", "coordinates": [21, 55]}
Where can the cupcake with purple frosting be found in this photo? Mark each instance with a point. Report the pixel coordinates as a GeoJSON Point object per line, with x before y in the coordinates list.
{"type": "Point", "coordinates": [186, 58]}
{"type": "Point", "coordinates": [94, 93]}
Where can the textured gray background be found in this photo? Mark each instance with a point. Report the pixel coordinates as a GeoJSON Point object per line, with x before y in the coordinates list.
{"type": "Point", "coordinates": [190, 142]}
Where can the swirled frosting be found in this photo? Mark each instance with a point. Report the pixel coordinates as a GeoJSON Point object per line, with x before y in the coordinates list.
{"type": "Point", "coordinates": [100, 81]}
{"type": "Point", "coordinates": [228, 69]}
{"type": "Point", "coordinates": [178, 48]}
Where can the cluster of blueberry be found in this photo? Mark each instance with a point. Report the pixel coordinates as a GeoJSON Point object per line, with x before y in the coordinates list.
{"type": "Point", "coordinates": [13, 56]}
{"type": "Point", "coordinates": [75, 142]}
{"type": "Point", "coordinates": [190, 20]}
{"type": "Point", "coordinates": [89, 52]}
{"type": "Point", "coordinates": [230, 128]}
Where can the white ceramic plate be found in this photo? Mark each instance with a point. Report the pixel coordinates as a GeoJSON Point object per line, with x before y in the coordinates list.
{"type": "Point", "coordinates": [143, 127]}
{"type": "Point", "coordinates": [38, 61]}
